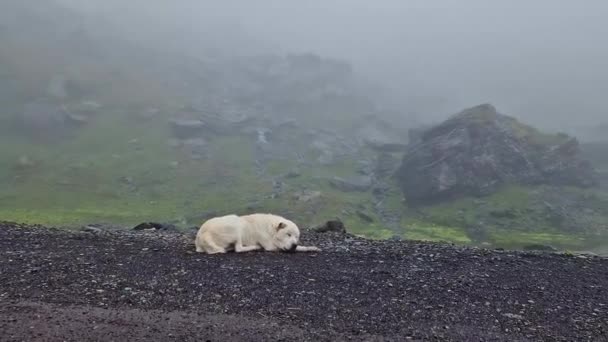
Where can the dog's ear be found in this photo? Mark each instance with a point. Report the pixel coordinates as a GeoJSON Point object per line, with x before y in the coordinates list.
{"type": "Point", "coordinates": [281, 226]}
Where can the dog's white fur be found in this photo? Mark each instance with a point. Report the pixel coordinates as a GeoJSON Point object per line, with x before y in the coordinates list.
{"type": "Point", "coordinates": [248, 233]}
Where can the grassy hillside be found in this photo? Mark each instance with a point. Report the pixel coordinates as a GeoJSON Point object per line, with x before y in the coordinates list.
{"type": "Point", "coordinates": [121, 168]}
{"type": "Point", "coordinates": [121, 171]}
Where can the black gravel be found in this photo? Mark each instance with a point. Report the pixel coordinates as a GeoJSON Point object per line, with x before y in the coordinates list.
{"type": "Point", "coordinates": [151, 286]}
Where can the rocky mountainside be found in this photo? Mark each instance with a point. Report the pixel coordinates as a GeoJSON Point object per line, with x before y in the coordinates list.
{"type": "Point", "coordinates": [119, 131]}
{"type": "Point", "coordinates": [56, 55]}
{"type": "Point", "coordinates": [124, 132]}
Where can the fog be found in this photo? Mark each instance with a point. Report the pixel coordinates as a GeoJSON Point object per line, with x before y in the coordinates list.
{"type": "Point", "coordinates": [543, 61]}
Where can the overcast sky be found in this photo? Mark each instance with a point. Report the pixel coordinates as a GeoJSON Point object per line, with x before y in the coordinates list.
{"type": "Point", "coordinates": [542, 60]}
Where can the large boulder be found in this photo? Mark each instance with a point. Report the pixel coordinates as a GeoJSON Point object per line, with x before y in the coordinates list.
{"type": "Point", "coordinates": [478, 149]}
{"type": "Point", "coordinates": [187, 128]}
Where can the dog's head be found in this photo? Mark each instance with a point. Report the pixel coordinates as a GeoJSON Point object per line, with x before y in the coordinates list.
{"type": "Point", "coordinates": [287, 236]}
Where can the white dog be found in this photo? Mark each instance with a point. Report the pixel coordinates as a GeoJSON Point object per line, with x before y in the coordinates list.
{"type": "Point", "coordinates": [248, 233]}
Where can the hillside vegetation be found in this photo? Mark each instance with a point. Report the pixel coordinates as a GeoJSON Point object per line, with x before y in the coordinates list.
{"type": "Point", "coordinates": [98, 129]}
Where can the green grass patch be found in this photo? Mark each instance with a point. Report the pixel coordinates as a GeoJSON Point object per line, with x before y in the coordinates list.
{"type": "Point", "coordinates": [518, 239]}
{"type": "Point", "coordinates": [112, 213]}
{"type": "Point", "coordinates": [465, 212]}
{"type": "Point", "coordinates": [432, 232]}
{"type": "Point", "coordinates": [372, 232]}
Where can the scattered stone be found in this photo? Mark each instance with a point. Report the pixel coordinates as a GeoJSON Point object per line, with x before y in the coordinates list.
{"type": "Point", "coordinates": [92, 229]}
{"type": "Point", "coordinates": [293, 174]}
{"type": "Point", "coordinates": [148, 225]}
{"type": "Point", "coordinates": [97, 228]}
{"type": "Point", "coordinates": [395, 238]}
{"type": "Point", "coordinates": [77, 119]}
{"type": "Point", "coordinates": [331, 226]}
{"type": "Point", "coordinates": [86, 108]}
{"type": "Point", "coordinates": [357, 183]}
{"type": "Point", "coordinates": [228, 122]}
{"type": "Point", "coordinates": [187, 128]}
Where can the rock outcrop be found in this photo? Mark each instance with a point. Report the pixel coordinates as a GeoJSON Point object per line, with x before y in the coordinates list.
{"type": "Point", "coordinates": [478, 149]}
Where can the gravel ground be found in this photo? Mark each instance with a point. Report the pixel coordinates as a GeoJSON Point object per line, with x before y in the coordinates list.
{"type": "Point", "coordinates": [151, 286]}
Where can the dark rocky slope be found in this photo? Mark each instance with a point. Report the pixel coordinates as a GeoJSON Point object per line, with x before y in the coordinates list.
{"type": "Point", "coordinates": [139, 286]}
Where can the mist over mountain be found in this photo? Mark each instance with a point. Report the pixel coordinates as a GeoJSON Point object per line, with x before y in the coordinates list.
{"type": "Point", "coordinates": [542, 61]}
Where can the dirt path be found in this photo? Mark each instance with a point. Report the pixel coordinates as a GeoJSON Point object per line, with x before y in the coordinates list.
{"type": "Point", "coordinates": [56, 285]}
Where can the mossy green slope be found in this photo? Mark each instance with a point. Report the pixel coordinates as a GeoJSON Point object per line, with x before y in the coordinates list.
{"type": "Point", "coordinates": [122, 171]}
